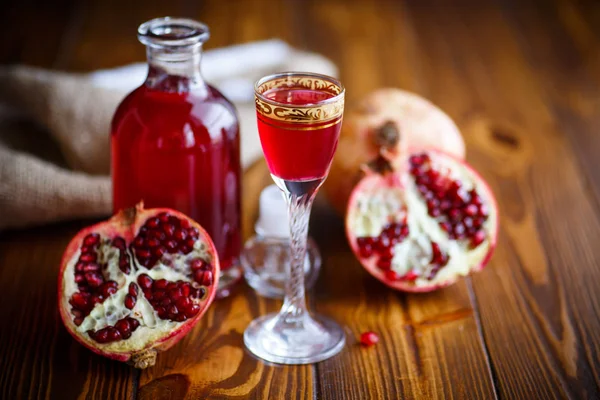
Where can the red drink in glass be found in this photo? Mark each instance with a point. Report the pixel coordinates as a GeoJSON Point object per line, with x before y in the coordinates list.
{"type": "Point", "coordinates": [180, 150]}
{"type": "Point", "coordinates": [293, 152]}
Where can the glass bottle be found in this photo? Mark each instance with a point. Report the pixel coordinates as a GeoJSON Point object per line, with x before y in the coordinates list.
{"type": "Point", "coordinates": [175, 141]}
{"type": "Point", "coordinates": [267, 255]}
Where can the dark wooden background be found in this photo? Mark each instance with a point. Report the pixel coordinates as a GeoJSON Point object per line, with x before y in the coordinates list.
{"type": "Point", "coordinates": [522, 80]}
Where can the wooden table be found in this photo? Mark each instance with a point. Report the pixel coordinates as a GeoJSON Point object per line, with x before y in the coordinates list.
{"type": "Point", "coordinates": [521, 79]}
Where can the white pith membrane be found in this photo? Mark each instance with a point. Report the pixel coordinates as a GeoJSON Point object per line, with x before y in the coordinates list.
{"type": "Point", "coordinates": [379, 201]}
{"type": "Point", "coordinates": [112, 309]}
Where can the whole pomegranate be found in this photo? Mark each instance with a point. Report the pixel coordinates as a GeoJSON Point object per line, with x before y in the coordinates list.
{"type": "Point", "coordinates": [422, 225]}
{"type": "Point", "coordinates": [137, 283]}
{"type": "Point", "coordinates": [387, 121]}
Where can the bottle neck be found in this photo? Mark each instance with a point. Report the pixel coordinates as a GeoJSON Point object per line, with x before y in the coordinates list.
{"type": "Point", "coordinates": [175, 70]}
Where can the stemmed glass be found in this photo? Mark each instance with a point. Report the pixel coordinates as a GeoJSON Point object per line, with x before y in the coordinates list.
{"type": "Point", "coordinates": [299, 120]}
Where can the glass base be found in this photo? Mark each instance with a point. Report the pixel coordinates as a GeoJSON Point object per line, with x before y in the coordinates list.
{"type": "Point", "coordinates": [308, 340]}
{"type": "Point", "coordinates": [228, 279]}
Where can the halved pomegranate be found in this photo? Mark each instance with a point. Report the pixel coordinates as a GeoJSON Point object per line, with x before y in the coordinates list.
{"type": "Point", "coordinates": [423, 225]}
{"type": "Point", "coordinates": [389, 121]}
{"type": "Point", "coordinates": [137, 283]}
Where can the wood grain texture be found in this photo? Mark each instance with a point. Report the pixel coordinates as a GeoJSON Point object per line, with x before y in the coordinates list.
{"type": "Point", "coordinates": [522, 81]}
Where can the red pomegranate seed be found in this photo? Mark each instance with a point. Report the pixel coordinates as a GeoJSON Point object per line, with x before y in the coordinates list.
{"type": "Point", "coordinates": [183, 303]}
{"type": "Point", "coordinates": [143, 253]}
{"type": "Point", "coordinates": [410, 276]}
{"type": "Point", "coordinates": [365, 251]}
{"type": "Point", "coordinates": [158, 235]}
{"type": "Point", "coordinates": [113, 334]}
{"type": "Point", "coordinates": [91, 267]}
{"type": "Point", "coordinates": [196, 264]}
{"type": "Point", "coordinates": [190, 243]}
{"type": "Point", "coordinates": [185, 289]}
{"type": "Point", "coordinates": [175, 294]}
{"type": "Point", "coordinates": [454, 214]}
{"type": "Point", "coordinates": [459, 230]}
{"type": "Point", "coordinates": [153, 223]}
{"type": "Point", "coordinates": [388, 252]}
{"type": "Point", "coordinates": [124, 328]}
{"type": "Point", "coordinates": [78, 321]}
{"type": "Point", "coordinates": [153, 243]}
{"type": "Point", "coordinates": [193, 233]}
{"type": "Point", "coordinates": [88, 257]}
{"type": "Point", "coordinates": [92, 239]}
{"type": "Point", "coordinates": [94, 279]}
{"type": "Point", "coordinates": [478, 238]}
{"type": "Point", "coordinates": [391, 275]}
{"type": "Point", "coordinates": [160, 284]}
{"type": "Point", "coordinates": [106, 290]}
{"type": "Point", "coordinates": [165, 301]}
{"type": "Point", "coordinates": [133, 323]}
{"type": "Point", "coordinates": [205, 278]}
{"type": "Point", "coordinates": [79, 266]}
{"type": "Point", "coordinates": [163, 217]}
{"type": "Point", "coordinates": [119, 243]}
{"type": "Point", "coordinates": [96, 299]}
{"type": "Point", "coordinates": [148, 294]}
{"type": "Point", "coordinates": [445, 205]}
{"type": "Point", "coordinates": [185, 249]}
{"type": "Point", "coordinates": [185, 224]}
{"type": "Point", "coordinates": [159, 251]}
{"type": "Point", "coordinates": [173, 310]}
{"type": "Point", "coordinates": [158, 295]}
{"type": "Point", "coordinates": [79, 301]}
{"type": "Point", "coordinates": [133, 289]}
{"type": "Point", "coordinates": [101, 336]}
{"type": "Point", "coordinates": [79, 278]}
{"type": "Point", "coordinates": [436, 257]}
{"type": "Point", "coordinates": [368, 339]}
{"type": "Point", "coordinates": [145, 281]}
{"type": "Point", "coordinates": [198, 293]}
{"type": "Point", "coordinates": [192, 310]}
{"type": "Point", "coordinates": [483, 210]}
{"type": "Point", "coordinates": [171, 245]}
{"type": "Point", "coordinates": [384, 263]}
{"type": "Point", "coordinates": [471, 210]}
{"type": "Point", "coordinates": [130, 301]}
{"type": "Point", "coordinates": [180, 234]}
{"type": "Point", "coordinates": [168, 229]}
{"type": "Point", "coordinates": [139, 242]}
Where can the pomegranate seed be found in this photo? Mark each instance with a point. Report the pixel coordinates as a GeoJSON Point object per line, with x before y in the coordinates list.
{"type": "Point", "coordinates": [471, 210]}
{"type": "Point", "coordinates": [168, 229]}
{"type": "Point", "coordinates": [153, 223]}
{"type": "Point", "coordinates": [391, 275]}
{"type": "Point", "coordinates": [107, 290]}
{"type": "Point", "coordinates": [483, 210]}
{"type": "Point", "coordinates": [171, 245]}
{"type": "Point", "coordinates": [92, 267]}
{"type": "Point", "coordinates": [185, 224]}
{"type": "Point", "coordinates": [173, 285]}
{"type": "Point", "coordinates": [410, 276]}
{"type": "Point", "coordinates": [78, 321]}
{"type": "Point", "coordinates": [91, 240]}
{"type": "Point", "coordinates": [454, 214]}
{"type": "Point", "coordinates": [113, 334]}
{"type": "Point", "coordinates": [165, 301]}
{"type": "Point", "coordinates": [183, 303]}
{"type": "Point", "coordinates": [143, 253]}
{"type": "Point", "coordinates": [88, 257]}
{"type": "Point", "coordinates": [196, 264]}
{"type": "Point", "coordinates": [133, 323]}
{"type": "Point", "coordinates": [94, 279]}
{"type": "Point", "coordinates": [435, 212]}
{"type": "Point", "coordinates": [468, 222]}
{"type": "Point", "coordinates": [124, 328]}
{"type": "Point", "coordinates": [180, 234]}
{"type": "Point", "coordinates": [185, 289]}
{"type": "Point", "coordinates": [173, 310]}
{"type": "Point", "coordinates": [190, 243]}
{"type": "Point", "coordinates": [158, 235]}
{"type": "Point", "coordinates": [119, 243]}
{"type": "Point", "coordinates": [445, 205]}
{"type": "Point", "coordinates": [153, 243]}
{"type": "Point", "coordinates": [193, 233]}
{"type": "Point", "coordinates": [422, 189]}
{"type": "Point", "coordinates": [478, 222]}
{"type": "Point", "coordinates": [145, 281]}
{"type": "Point", "coordinates": [148, 294]}
{"type": "Point", "coordinates": [365, 251]}
{"type": "Point", "coordinates": [163, 217]}
{"type": "Point", "coordinates": [192, 310]}
{"type": "Point", "coordinates": [79, 278]}
{"type": "Point", "coordinates": [158, 295]}
{"type": "Point", "coordinates": [384, 263]}
{"type": "Point", "coordinates": [133, 289]}
{"type": "Point", "coordinates": [159, 251]}
{"type": "Point", "coordinates": [198, 293]}
{"type": "Point", "coordinates": [436, 257]}
{"type": "Point", "coordinates": [368, 339]}
{"type": "Point", "coordinates": [446, 227]}
{"type": "Point", "coordinates": [101, 336]}
{"type": "Point", "coordinates": [79, 266]}
{"type": "Point", "coordinates": [95, 299]}
{"type": "Point", "coordinates": [475, 198]}
{"type": "Point", "coordinates": [185, 249]}
{"type": "Point", "coordinates": [478, 238]}
{"type": "Point", "coordinates": [130, 301]}
{"type": "Point", "coordinates": [459, 230]}
{"type": "Point", "coordinates": [139, 242]}
{"type": "Point", "coordinates": [79, 301]}
{"type": "Point", "coordinates": [162, 313]}
{"type": "Point", "coordinates": [160, 284]}
{"type": "Point", "coordinates": [205, 278]}
{"type": "Point", "coordinates": [175, 293]}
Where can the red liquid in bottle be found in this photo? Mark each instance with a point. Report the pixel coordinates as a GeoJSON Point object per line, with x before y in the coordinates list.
{"type": "Point", "coordinates": [298, 152]}
{"type": "Point", "coordinates": [181, 150]}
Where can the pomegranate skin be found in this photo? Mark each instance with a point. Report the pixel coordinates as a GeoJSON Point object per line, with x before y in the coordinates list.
{"type": "Point", "coordinates": [388, 121]}
{"type": "Point", "coordinates": [126, 224]}
{"type": "Point", "coordinates": [398, 179]}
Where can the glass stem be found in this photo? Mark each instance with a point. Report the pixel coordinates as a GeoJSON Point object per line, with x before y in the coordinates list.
{"type": "Point", "coordinates": [299, 207]}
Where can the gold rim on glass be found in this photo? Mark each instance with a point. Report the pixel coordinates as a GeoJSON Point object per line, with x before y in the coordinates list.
{"type": "Point", "coordinates": [322, 111]}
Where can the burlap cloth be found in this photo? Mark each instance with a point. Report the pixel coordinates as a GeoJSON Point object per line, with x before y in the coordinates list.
{"type": "Point", "coordinates": [54, 127]}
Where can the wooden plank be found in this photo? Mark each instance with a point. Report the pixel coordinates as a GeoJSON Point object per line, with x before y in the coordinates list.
{"type": "Point", "coordinates": [421, 335]}
{"type": "Point", "coordinates": [538, 314]}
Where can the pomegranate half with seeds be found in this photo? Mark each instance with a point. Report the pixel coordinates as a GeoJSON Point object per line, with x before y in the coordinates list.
{"type": "Point", "coordinates": [134, 285]}
{"type": "Point", "coordinates": [424, 224]}
{"type": "Point", "coordinates": [389, 121]}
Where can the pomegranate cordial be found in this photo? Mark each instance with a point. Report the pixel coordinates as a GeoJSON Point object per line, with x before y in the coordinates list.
{"type": "Point", "coordinates": [175, 143]}
{"type": "Point", "coordinates": [136, 284]}
{"type": "Point", "coordinates": [424, 225]}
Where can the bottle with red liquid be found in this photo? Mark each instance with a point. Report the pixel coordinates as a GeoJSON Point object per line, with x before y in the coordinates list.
{"type": "Point", "coordinates": [175, 141]}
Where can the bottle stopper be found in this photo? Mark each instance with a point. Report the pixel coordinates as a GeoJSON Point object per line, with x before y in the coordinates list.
{"type": "Point", "coordinates": [273, 220]}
